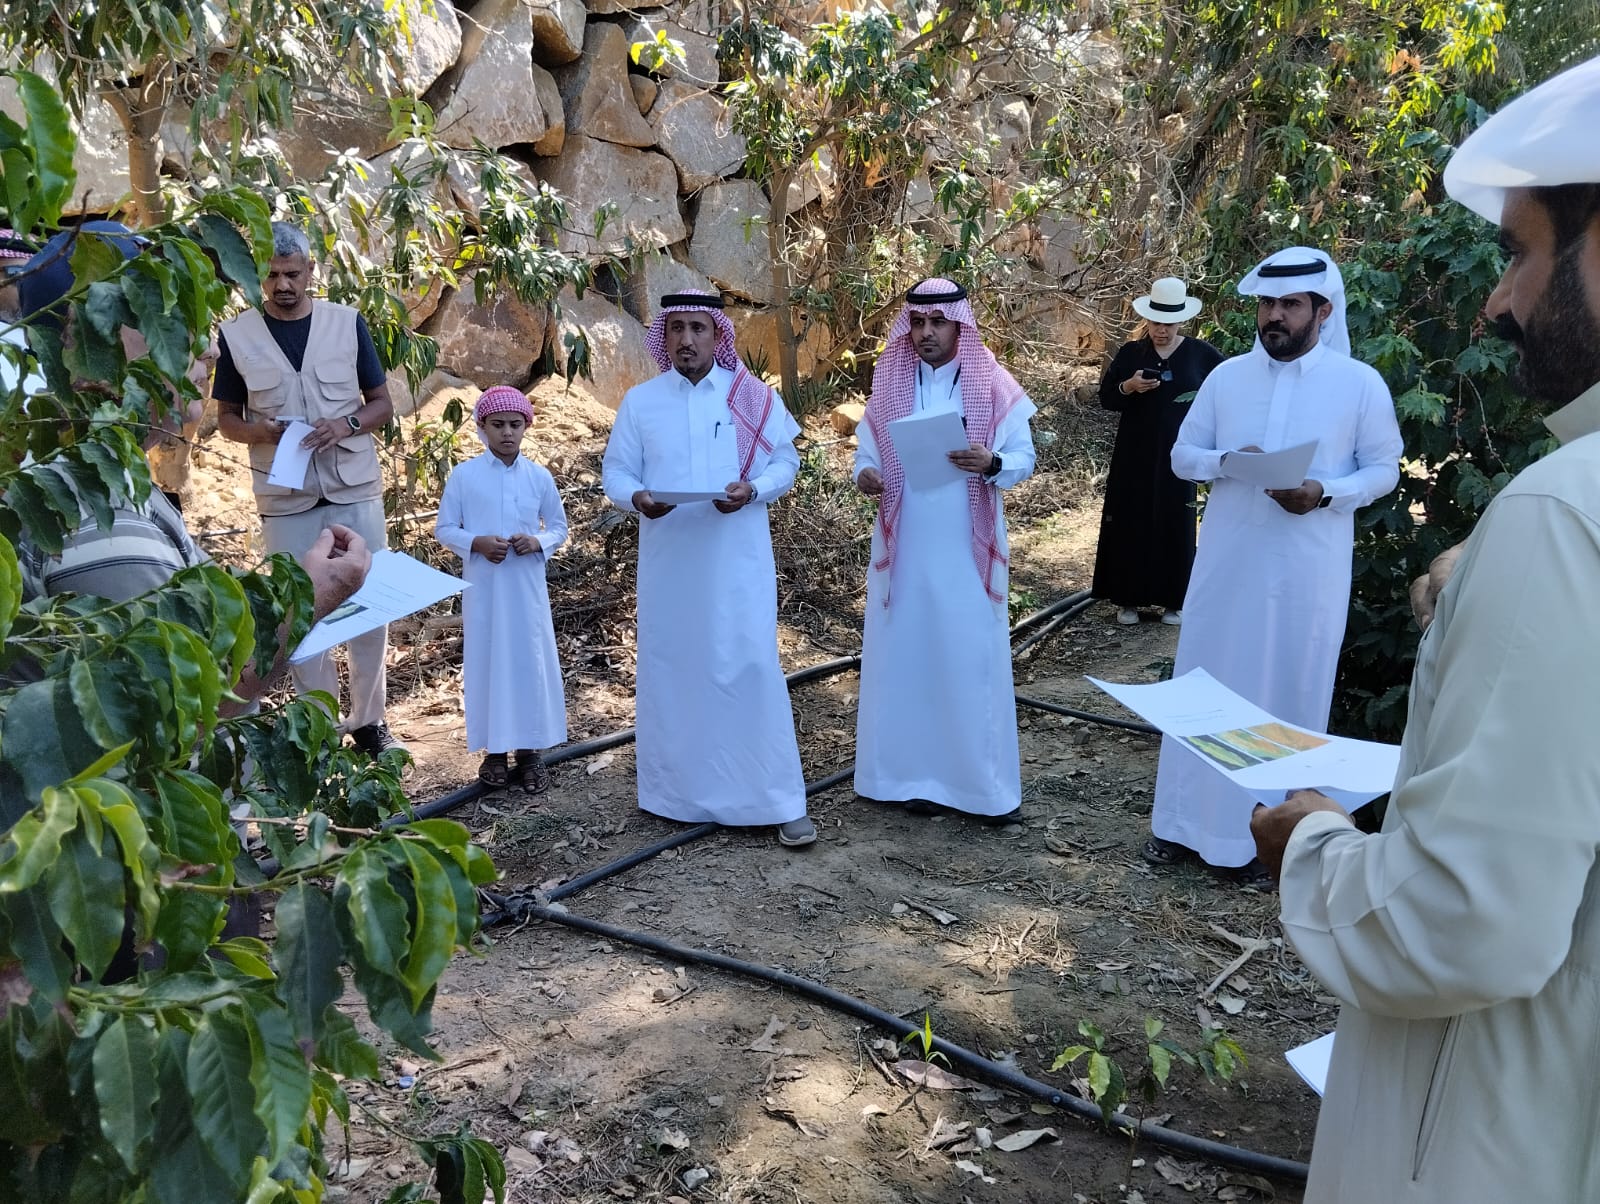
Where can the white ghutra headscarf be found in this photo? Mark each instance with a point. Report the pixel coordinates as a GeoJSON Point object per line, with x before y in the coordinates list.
{"type": "Point", "coordinates": [1303, 270]}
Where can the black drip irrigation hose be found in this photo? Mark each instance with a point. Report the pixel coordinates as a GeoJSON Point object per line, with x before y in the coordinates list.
{"type": "Point", "coordinates": [1055, 708]}
{"type": "Point", "coordinates": [567, 889]}
{"type": "Point", "coordinates": [1066, 616]}
{"type": "Point", "coordinates": [976, 1064]}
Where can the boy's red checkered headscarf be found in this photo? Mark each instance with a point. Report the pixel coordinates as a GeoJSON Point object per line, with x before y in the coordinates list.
{"type": "Point", "coordinates": [750, 401]}
{"type": "Point", "coordinates": [988, 392]}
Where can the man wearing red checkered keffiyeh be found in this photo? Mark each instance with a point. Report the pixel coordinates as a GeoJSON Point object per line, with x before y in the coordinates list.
{"type": "Point", "coordinates": [936, 724]}
{"type": "Point", "coordinates": [698, 452]}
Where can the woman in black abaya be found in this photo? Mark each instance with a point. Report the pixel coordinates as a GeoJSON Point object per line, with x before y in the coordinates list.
{"type": "Point", "coordinates": [1147, 526]}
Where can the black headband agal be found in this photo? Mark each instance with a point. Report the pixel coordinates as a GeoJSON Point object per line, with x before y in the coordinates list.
{"type": "Point", "coordinates": [1311, 267]}
{"type": "Point", "coordinates": [699, 300]}
{"type": "Point", "coordinates": [915, 298]}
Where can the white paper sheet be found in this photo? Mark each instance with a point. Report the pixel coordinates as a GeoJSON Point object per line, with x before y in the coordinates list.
{"type": "Point", "coordinates": [1255, 750]}
{"type": "Point", "coordinates": [1284, 469]}
{"type": "Point", "coordinates": [924, 443]}
{"type": "Point", "coordinates": [290, 461]}
{"type": "Point", "coordinates": [1310, 1061]}
{"type": "Point", "coordinates": [396, 587]}
{"type": "Point", "coordinates": [671, 497]}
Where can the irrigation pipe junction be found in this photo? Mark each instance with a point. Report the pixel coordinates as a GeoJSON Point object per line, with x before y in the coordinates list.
{"type": "Point", "coordinates": [535, 905]}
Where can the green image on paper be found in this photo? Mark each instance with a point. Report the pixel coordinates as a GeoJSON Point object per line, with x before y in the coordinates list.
{"type": "Point", "coordinates": [1222, 754]}
{"type": "Point", "coordinates": [1252, 744]}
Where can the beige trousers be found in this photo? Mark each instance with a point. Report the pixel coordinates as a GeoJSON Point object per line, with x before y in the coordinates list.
{"type": "Point", "coordinates": [294, 533]}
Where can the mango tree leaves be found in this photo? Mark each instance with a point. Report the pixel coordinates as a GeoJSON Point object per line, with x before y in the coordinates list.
{"type": "Point", "coordinates": [36, 158]}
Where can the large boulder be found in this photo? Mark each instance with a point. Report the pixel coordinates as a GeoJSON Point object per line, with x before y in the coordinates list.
{"type": "Point", "coordinates": [1060, 241]}
{"type": "Point", "coordinates": [657, 275]}
{"type": "Point", "coordinates": [496, 101]}
{"type": "Point", "coordinates": [645, 91]}
{"type": "Point", "coordinates": [699, 65]}
{"type": "Point", "coordinates": [558, 29]}
{"type": "Point", "coordinates": [596, 94]}
{"type": "Point", "coordinates": [555, 113]}
{"type": "Point", "coordinates": [692, 128]}
{"type": "Point", "coordinates": [408, 401]}
{"type": "Point", "coordinates": [101, 157]}
{"type": "Point", "coordinates": [492, 344]}
{"type": "Point", "coordinates": [618, 356]}
{"type": "Point", "coordinates": [589, 173]}
{"type": "Point", "coordinates": [811, 182]}
{"type": "Point", "coordinates": [759, 342]}
{"type": "Point", "coordinates": [607, 7]}
{"type": "Point", "coordinates": [434, 45]}
{"type": "Point", "coordinates": [730, 239]}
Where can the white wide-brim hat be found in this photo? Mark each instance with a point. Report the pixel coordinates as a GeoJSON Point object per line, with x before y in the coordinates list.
{"type": "Point", "coordinates": [1167, 301]}
{"type": "Point", "coordinates": [1544, 137]}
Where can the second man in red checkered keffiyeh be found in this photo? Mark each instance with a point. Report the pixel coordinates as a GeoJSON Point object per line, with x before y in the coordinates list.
{"type": "Point", "coordinates": [936, 726]}
{"type": "Point", "coordinates": [698, 452]}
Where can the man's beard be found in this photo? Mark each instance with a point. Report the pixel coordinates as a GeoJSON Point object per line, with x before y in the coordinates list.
{"type": "Point", "coordinates": [1296, 345]}
{"type": "Point", "coordinates": [1560, 345]}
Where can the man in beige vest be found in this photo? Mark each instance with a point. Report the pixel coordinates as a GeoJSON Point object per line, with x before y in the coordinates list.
{"type": "Point", "coordinates": [313, 360]}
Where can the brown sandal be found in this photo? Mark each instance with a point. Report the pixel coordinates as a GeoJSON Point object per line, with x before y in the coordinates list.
{"type": "Point", "coordinates": [492, 772]}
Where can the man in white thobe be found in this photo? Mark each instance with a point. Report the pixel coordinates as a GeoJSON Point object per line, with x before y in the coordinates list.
{"type": "Point", "coordinates": [1267, 603]}
{"type": "Point", "coordinates": [715, 734]}
{"type": "Point", "coordinates": [1464, 939]}
{"type": "Point", "coordinates": [936, 725]}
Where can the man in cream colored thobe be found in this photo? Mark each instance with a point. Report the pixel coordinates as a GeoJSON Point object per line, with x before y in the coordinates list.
{"type": "Point", "coordinates": [1464, 939]}
{"type": "Point", "coordinates": [936, 725]}
{"type": "Point", "coordinates": [1267, 602]}
{"type": "Point", "coordinates": [715, 734]}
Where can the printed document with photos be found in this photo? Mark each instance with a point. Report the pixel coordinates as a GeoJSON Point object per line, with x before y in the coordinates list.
{"type": "Point", "coordinates": [1257, 751]}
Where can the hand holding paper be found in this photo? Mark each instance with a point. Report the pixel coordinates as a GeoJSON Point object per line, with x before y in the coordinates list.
{"type": "Point", "coordinates": [924, 443]}
{"type": "Point", "coordinates": [290, 461]}
{"type": "Point", "coordinates": [1283, 469]}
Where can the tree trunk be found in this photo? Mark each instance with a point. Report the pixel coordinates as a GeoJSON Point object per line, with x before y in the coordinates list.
{"type": "Point", "coordinates": [777, 222]}
{"type": "Point", "coordinates": [141, 106]}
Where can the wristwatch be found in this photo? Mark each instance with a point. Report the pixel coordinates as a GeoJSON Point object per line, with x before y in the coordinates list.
{"type": "Point", "coordinates": [355, 424]}
{"type": "Point", "coordinates": [995, 464]}
{"type": "Point", "coordinates": [1325, 502]}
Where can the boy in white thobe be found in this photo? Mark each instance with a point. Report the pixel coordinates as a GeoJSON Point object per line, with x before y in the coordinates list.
{"type": "Point", "coordinates": [502, 515]}
{"type": "Point", "coordinates": [1267, 602]}
{"type": "Point", "coordinates": [715, 734]}
{"type": "Point", "coordinates": [936, 725]}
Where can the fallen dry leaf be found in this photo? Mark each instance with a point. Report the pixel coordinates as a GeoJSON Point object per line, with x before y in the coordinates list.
{"type": "Point", "coordinates": [599, 763]}
{"type": "Point", "coordinates": [928, 909]}
{"type": "Point", "coordinates": [1231, 1004]}
{"type": "Point", "coordinates": [933, 1077]}
{"type": "Point", "coordinates": [763, 1043]}
{"type": "Point", "coordinates": [972, 1168]}
{"type": "Point", "coordinates": [1012, 1142]}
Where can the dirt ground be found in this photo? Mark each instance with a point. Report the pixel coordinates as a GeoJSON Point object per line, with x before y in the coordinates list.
{"type": "Point", "coordinates": [603, 1073]}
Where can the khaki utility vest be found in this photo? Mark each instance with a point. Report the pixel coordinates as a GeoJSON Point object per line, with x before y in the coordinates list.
{"type": "Point", "coordinates": [325, 387]}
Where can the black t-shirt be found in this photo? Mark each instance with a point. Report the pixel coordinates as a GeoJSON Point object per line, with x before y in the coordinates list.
{"type": "Point", "coordinates": [291, 335]}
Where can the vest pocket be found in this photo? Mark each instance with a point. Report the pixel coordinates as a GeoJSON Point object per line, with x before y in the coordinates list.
{"type": "Point", "coordinates": [264, 380]}
{"type": "Point", "coordinates": [1433, 1103]}
{"type": "Point", "coordinates": [355, 460]}
{"type": "Point", "coordinates": [338, 382]}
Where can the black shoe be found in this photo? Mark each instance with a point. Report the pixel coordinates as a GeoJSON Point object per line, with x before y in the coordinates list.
{"type": "Point", "coordinates": [921, 806]}
{"type": "Point", "coordinates": [1013, 816]}
{"type": "Point", "coordinates": [375, 738]}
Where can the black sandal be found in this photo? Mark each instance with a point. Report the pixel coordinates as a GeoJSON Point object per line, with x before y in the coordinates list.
{"type": "Point", "coordinates": [492, 772]}
{"type": "Point", "coordinates": [531, 773]}
{"type": "Point", "coordinates": [1165, 852]}
{"type": "Point", "coordinates": [1252, 875]}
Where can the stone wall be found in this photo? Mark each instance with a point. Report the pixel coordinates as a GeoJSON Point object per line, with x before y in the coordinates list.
{"type": "Point", "coordinates": [551, 84]}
